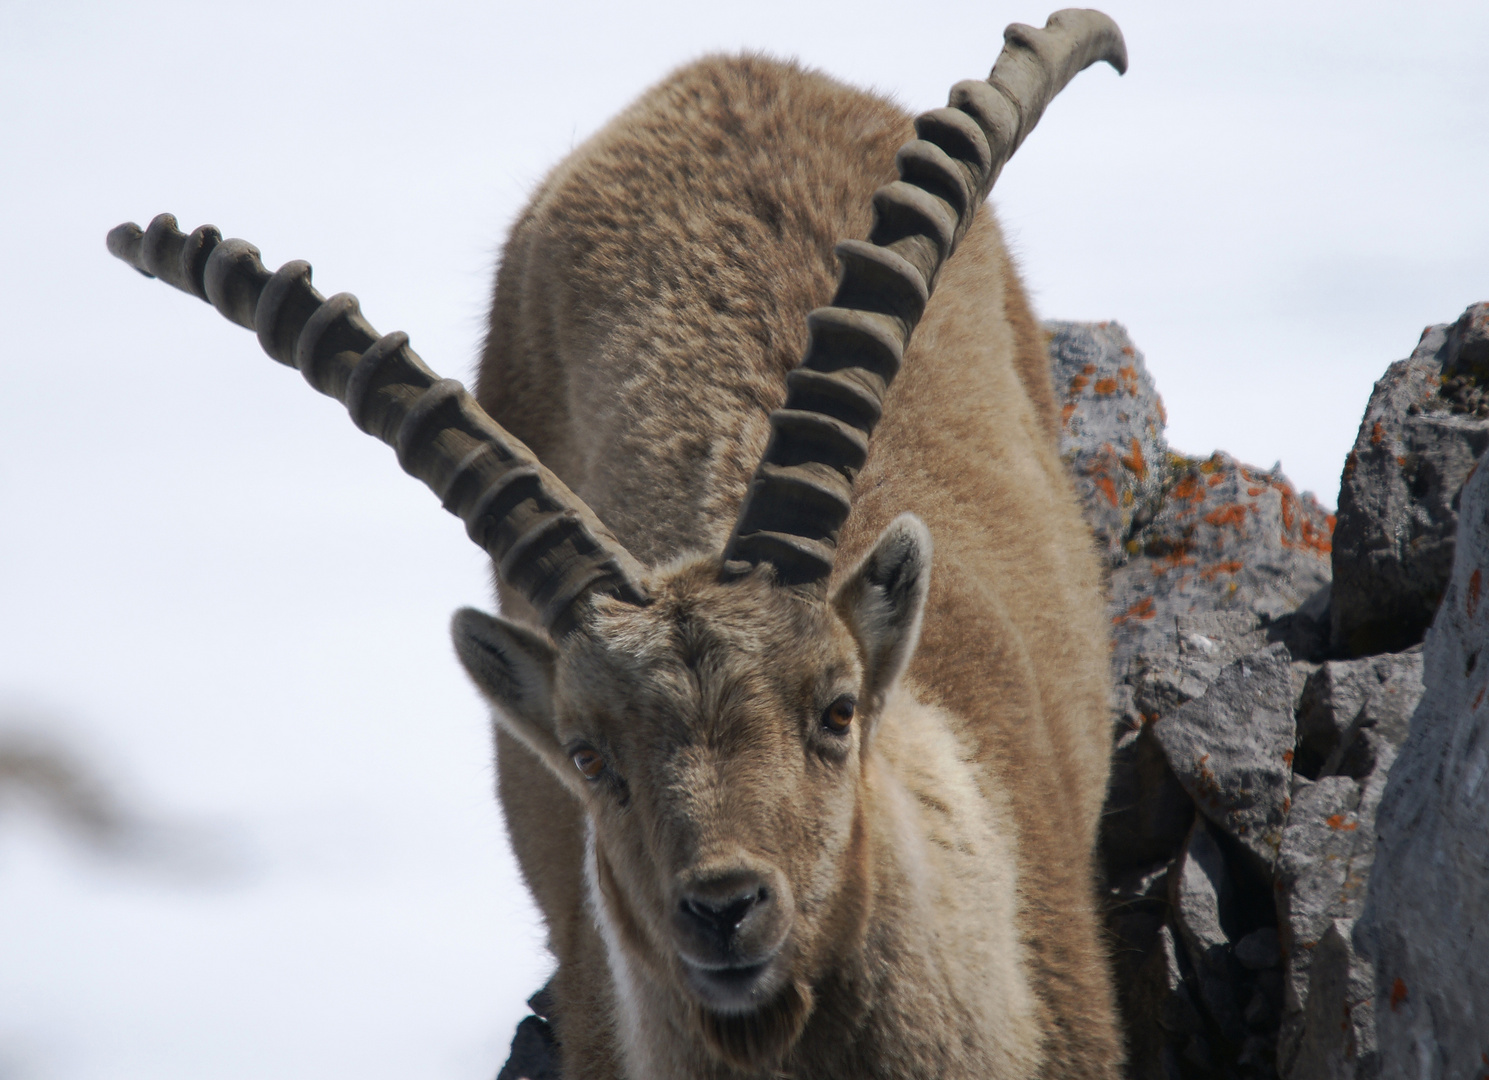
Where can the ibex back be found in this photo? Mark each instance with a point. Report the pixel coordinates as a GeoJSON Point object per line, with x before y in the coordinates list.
{"type": "Point", "coordinates": [809, 809]}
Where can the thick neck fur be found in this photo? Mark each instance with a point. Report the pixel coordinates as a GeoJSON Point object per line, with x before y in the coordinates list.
{"type": "Point", "coordinates": [927, 887]}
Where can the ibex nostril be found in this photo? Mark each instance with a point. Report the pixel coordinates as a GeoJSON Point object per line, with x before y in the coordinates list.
{"type": "Point", "coordinates": [723, 911]}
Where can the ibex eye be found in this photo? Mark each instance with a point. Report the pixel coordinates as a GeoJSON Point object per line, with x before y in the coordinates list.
{"type": "Point", "coordinates": [839, 715]}
{"type": "Point", "coordinates": [589, 762]}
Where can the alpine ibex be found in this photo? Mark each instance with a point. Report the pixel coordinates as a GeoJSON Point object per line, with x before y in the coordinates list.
{"type": "Point", "coordinates": [807, 809]}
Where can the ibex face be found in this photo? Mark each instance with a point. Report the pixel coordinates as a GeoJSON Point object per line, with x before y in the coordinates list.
{"type": "Point", "coordinates": [717, 739]}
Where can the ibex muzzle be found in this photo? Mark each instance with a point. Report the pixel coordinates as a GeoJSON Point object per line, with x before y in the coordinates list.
{"type": "Point", "coordinates": [773, 836]}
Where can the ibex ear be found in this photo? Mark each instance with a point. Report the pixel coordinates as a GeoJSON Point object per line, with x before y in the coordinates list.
{"type": "Point", "coordinates": [883, 599]}
{"type": "Point", "coordinates": [513, 668]}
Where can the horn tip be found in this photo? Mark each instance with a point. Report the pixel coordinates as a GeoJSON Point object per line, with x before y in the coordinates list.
{"type": "Point", "coordinates": [124, 241]}
{"type": "Point", "coordinates": [1106, 35]}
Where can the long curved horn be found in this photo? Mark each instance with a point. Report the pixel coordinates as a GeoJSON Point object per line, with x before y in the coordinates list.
{"type": "Point", "coordinates": [545, 542]}
{"type": "Point", "coordinates": [802, 490]}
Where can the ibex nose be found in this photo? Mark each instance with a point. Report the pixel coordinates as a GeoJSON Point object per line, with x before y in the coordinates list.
{"type": "Point", "coordinates": [722, 914]}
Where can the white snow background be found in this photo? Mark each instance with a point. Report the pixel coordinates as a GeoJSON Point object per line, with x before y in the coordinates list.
{"type": "Point", "coordinates": [232, 605]}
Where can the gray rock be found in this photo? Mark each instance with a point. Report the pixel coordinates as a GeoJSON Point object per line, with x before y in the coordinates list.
{"type": "Point", "coordinates": [1398, 498]}
{"type": "Point", "coordinates": [1332, 700]}
{"type": "Point", "coordinates": [1428, 899]}
{"type": "Point", "coordinates": [1148, 812]}
{"type": "Point", "coordinates": [1380, 728]}
{"type": "Point", "coordinates": [1186, 536]}
{"type": "Point", "coordinates": [1204, 902]}
{"type": "Point", "coordinates": [1313, 887]}
{"type": "Point", "coordinates": [1337, 1040]}
{"type": "Point", "coordinates": [1156, 993]}
{"type": "Point", "coordinates": [1112, 428]}
{"type": "Point", "coordinates": [1260, 1012]}
{"type": "Point", "coordinates": [1232, 750]}
{"type": "Point", "coordinates": [1177, 1012]}
{"type": "Point", "coordinates": [1258, 1053]}
{"type": "Point", "coordinates": [1468, 356]}
{"type": "Point", "coordinates": [1345, 699]}
{"type": "Point", "coordinates": [1227, 537]}
{"type": "Point", "coordinates": [1260, 949]}
{"type": "Point", "coordinates": [1201, 888]}
{"type": "Point", "coordinates": [1168, 665]}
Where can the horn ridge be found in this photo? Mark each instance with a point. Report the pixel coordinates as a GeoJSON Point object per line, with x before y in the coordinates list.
{"type": "Point", "coordinates": [836, 394]}
{"type": "Point", "coordinates": [331, 343]}
{"type": "Point", "coordinates": [854, 341]}
{"type": "Point", "coordinates": [548, 545]}
{"type": "Point", "coordinates": [802, 490]}
{"type": "Point", "coordinates": [923, 164]}
{"type": "Point", "coordinates": [285, 304]}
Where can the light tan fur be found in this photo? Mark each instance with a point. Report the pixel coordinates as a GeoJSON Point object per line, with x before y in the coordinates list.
{"type": "Point", "coordinates": [932, 871]}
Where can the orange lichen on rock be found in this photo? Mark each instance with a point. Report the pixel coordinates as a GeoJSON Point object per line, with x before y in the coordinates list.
{"type": "Point", "coordinates": [1172, 559]}
{"type": "Point", "coordinates": [1377, 433]}
{"type": "Point", "coordinates": [1107, 488]}
{"type": "Point", "coordinates": [1207, 784]}
{"type": "Point", "coordinates": [1289, 510]}
{"type": "Point", "coordinates": [1337, 822]}
{"type": "Point", "coordinates": [1077, 384]}
{"type": "Point", "coordinates": [1134, 461]}
{"type": "Point", "coordinates": [1233, 515]}
{"type": "Point", "coordinates": [1318, 539]}
{"type": "Point", "coordinates": [1188, 488]}
{"type": "Point", "coordinates": [1230, 566]}
{"type": "Point", "coordinates": [1143, 609]}
{"type": "Point", "coordinates": [1067, 412]}
{"type": "Point", "coordinates": [1104, 387]}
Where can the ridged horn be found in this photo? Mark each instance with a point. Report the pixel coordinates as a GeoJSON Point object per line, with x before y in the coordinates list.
{"type": "Point", "coordinates": [545, 542]}
{"type": "Point", "coordinates": [802, 491]}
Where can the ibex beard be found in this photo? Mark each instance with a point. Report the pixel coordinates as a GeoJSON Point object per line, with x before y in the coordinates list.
{"type": "Point", "coordinates": [742, 825]}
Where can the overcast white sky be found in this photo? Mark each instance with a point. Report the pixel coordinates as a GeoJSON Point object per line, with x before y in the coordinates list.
{"type": "Point", "coordinates": [236, 603]}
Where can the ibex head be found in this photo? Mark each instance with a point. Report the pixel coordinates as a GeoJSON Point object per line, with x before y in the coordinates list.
{"type": "Point", "coordinates": [714, 717]}
{"type": "Point", "coordinates": [717, 739]}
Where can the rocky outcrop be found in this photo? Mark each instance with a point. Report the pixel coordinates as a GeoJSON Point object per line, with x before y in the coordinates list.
{"type": "Point", "coordinates": [1427, 922]}
{"type": "Point", "coordinates": [1426, 424]}
{"type": "Point", "coordinates": [1231, 749]}
{"type": "Point", "coordinates": [1184, 537]}
{"type": "Point", "coordinates": [1249, 756]}
{"type": "Point", "coordinates": [1113, 421]}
